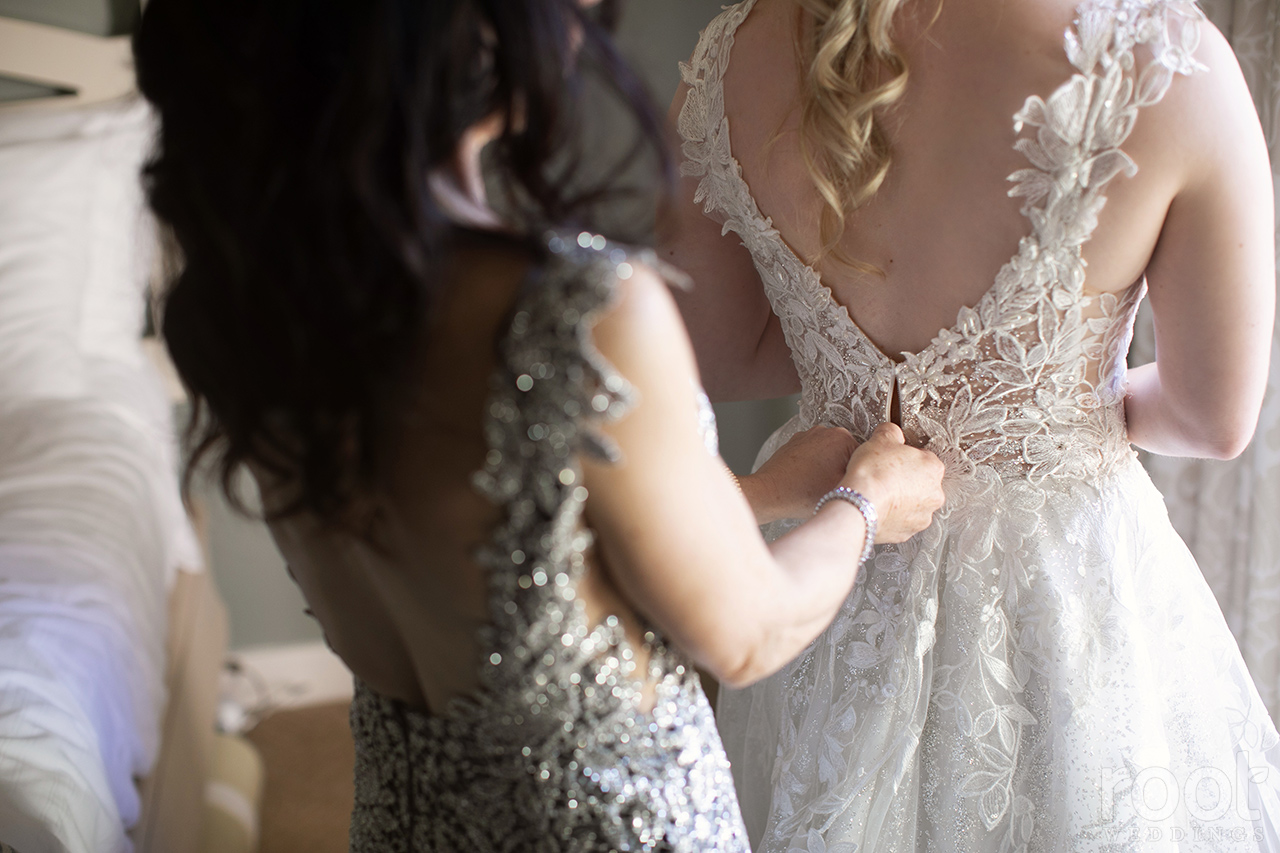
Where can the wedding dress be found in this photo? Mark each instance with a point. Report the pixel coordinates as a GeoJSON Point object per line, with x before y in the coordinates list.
{"type": "Point", "coordinates": [1044, 668]}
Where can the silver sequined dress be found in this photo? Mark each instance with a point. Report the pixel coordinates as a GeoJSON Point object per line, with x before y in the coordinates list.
{"type": "Point", "coordinates": [553, 752]}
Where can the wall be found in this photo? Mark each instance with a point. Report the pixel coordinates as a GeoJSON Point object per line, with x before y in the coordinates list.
{"type": "Point", "coordinates": [96, 17]}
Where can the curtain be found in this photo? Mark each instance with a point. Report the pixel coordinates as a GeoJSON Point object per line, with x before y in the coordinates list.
{"type": "Point", "coordinates": [1229, 512]}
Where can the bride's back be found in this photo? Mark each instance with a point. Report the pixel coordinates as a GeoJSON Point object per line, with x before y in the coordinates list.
{"type": "Point", "coordinates": [942, 224]}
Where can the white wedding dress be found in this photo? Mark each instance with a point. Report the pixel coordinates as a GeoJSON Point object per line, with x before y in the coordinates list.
{"type": "Point", "coordinates": [1044, 668]}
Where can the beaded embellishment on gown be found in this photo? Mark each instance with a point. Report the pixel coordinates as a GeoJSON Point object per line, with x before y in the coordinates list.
{"type": "Point", "coordinates": [552, 754]}
{"type": "Point", "coordinates": [1044, 668]}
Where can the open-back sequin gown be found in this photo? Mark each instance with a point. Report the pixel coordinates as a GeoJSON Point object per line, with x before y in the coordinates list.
{"type": "Point", "coordinates": [1044, 668]}
{"type": "Point", "coordinates": [553, 754]}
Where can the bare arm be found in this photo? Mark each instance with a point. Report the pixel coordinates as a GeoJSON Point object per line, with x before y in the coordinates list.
{"type": "Point", "coordinates": [1212, 277]}
{"type": "Point", "coordinates": [681, 542]}
{"type": "Point", "coordinates": [738, 340]}
{"type": "Point", "coordinates": [798, 474]}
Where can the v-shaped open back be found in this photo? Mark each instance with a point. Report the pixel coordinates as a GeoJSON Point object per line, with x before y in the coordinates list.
{"type": "Point", "coordinates": [751, 217]}
{"type": "Point", "coordinates": [1009, 678]}
{"type": "Point", "coordinates": [1007, 358]}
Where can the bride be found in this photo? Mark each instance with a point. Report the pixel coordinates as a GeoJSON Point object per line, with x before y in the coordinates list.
{"type": "Point", "coordinates": [1043, 669]}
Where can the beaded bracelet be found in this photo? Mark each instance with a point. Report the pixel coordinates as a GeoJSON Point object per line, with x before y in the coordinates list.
{"type": "Point", "coordinates": [865, 506]}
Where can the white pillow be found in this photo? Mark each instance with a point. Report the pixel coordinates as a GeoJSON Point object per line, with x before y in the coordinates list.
{"type": "Point", "coordinates": [121, 240]}
{"type": "Point", "coordinates": [75, 245]}
{"type": "Point", "coordinates": [43, 261]}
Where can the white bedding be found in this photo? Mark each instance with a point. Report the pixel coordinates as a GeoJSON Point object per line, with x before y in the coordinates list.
{"type": "Point", "coordinates": [91, 525]}
{"type": "Point", "coordinates": [62, 725]}
{"type": "Point", "coordinates": [85, 551]}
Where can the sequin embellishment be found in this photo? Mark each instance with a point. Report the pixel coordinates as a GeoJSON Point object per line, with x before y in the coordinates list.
{"type": "Point", "coordinates": [553, 752]}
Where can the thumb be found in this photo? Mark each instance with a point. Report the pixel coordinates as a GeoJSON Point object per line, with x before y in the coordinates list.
{"type": "Point", "coordinates": [889, 432]}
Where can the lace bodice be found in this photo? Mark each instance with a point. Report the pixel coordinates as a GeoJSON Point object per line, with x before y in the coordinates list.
{"type": "Point", "coordinates": [1004, 680]}
{"type": "Point", "coordinates": [553, 752]}
{"type": "Point", "coordinates": [1028, 382]}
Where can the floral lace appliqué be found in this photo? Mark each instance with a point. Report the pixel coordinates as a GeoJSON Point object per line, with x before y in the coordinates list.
{"type": "Point", "coordinates": [950, 650]}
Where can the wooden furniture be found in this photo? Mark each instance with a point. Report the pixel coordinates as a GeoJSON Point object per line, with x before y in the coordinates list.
{"type": "Point", "coordinates": [92, 68]}
{"type": "Point", "coordinates": [173, 797]}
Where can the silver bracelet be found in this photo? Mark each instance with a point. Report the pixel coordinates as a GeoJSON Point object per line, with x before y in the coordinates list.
{"type": "Point", "coordinates": [865, 506]}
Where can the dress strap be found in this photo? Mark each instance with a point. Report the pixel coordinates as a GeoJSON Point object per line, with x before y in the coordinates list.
{"type": "Point", "coordinates": [1079, 130]}
{"type": "Point", "coordinates": [550, 374]}
{"type": "Point", "coordinates": [703, 127]}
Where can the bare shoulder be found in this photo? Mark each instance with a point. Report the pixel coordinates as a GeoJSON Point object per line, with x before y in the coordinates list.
{"type": "Point", "coordinates": [642, 332]}
{"type": "Point", "coordinates": [771, 22]}
{"type": "Point", "coordinates": [642, 301]}
{"type": "Point", "coordinates": [763, 71]}
{"type": "Point", "coordinates": [1193, 129]}
{"type": "Point", "coordinates": [1204, 114]}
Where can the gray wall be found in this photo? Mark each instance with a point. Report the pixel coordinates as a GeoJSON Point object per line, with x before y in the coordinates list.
{"type": "Point", "coordinates": [656, 34]}
{"type": "Point", "coordinates": [263, 603]}
{"type": "Point", "coordinates": [96, 17]}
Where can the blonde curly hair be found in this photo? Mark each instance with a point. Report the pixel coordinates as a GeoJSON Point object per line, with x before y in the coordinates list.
{"type": "Point", "coordinates": [852, 69]}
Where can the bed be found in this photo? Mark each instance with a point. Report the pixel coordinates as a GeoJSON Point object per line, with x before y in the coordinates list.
{"type": "Point", "coordinates": [111, 636]}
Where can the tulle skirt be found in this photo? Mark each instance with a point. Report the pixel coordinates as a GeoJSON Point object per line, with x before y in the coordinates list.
{"type": "Point", "coordinates": [1044, 669]}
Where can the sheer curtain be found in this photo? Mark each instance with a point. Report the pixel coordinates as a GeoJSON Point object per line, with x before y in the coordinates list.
{"type": "Point", "coordinates": [1229, 512]}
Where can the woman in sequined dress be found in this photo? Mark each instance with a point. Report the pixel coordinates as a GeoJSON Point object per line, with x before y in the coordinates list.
{"type": "Point", "coordinates": [480, 438]}
{"type": "Point", "coordinates": [945, 215]}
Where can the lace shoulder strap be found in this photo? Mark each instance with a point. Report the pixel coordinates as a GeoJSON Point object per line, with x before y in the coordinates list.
{"type": "Point", "coordinates": [703, 127]}
{"type": "Point", "coordinates": [1076, 148]}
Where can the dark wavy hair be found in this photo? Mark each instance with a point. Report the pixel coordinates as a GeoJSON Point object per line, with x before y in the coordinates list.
{"type": "Point", "coordinates": [290, 176]}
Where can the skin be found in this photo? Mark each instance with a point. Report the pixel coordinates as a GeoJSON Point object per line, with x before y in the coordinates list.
{"type": "Point", "coordinates": [1196, 220]}
{"type": "Point", "coordinates": [740, 608]}
{"type": "Point", "coordinates": [677, 545]}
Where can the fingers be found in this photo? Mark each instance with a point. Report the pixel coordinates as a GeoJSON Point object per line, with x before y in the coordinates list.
{"type": "Point", "coordinates": [825, 441]}
{"type": "Point", "coordinates": [939, 470]}
{"type": "Point", "coordinates": [890, 432]}
{"type": "Point", "coordinates": [846, 439]}
{"type": "Point", "coordinates": [904, 483]}
{"type": "Point", "coordinates": [808, 466]}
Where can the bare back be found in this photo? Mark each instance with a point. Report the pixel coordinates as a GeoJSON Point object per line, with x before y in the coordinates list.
{"type": "Point", "coordinates": [1193, 218]}
{"type": "Point", "coordinates": [942, 225]}
{"type": "Point", "coordinates": [506, 695]}
{"type": "Point", "coordinates": [405, 611]}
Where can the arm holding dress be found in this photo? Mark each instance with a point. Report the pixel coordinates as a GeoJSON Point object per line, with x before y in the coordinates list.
{"type": "Point", "coordinates": [740, 608]}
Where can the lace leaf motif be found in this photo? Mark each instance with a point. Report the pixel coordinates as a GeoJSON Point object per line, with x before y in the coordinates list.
{"type": "Point", "coordinates": [1025, 388]}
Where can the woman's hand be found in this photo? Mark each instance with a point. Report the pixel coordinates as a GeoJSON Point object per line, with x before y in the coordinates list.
{"type": "Point", "coordinates": [903, 482]}
{"type": "Point", "coordinates": [804, 469]}
{"type": "Point", "coordinates": [679, 542]}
